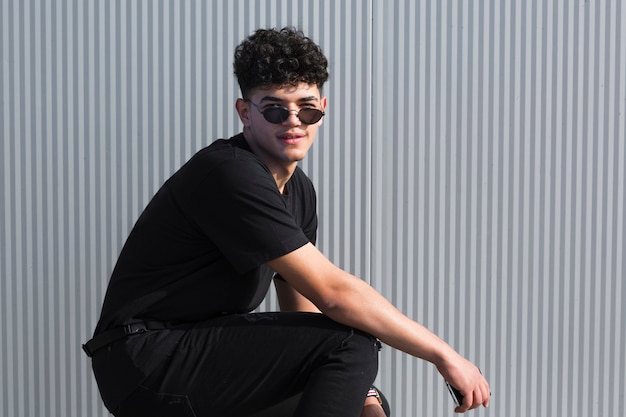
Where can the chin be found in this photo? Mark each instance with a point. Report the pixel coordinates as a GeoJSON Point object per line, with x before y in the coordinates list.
{"type": "Point", "coordinates": [297, 158]}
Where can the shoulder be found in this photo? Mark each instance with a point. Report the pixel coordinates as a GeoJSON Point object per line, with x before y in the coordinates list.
{"type": "Point", "coordinates": [234, 149]}
{"type": "Point", "coordinates": [221, 170]}
{"type": "Point", "coordinates": [226, 159]}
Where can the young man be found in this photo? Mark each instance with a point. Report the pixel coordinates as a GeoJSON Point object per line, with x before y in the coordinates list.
{"type": "Point", "coordinates": [176, 336]}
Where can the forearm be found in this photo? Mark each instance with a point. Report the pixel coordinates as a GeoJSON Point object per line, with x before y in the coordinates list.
{"type": "Point", "coordinates": [364, 308]}
{"type": "Point", "coordinates": [351, 301]}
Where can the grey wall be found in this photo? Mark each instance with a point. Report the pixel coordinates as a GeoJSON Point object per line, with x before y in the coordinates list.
{"type": "Point", "coordinates": [471, 167]}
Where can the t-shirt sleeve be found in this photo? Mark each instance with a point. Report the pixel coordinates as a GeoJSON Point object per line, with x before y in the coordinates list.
{"type": "Point", "coordinates": [240, 209]}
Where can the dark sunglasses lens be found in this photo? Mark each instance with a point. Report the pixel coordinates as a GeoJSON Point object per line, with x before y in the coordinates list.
{"type": "Point", "coordinates": [310, 116]}
{"type": "Point", "coordinates": [276, 114]}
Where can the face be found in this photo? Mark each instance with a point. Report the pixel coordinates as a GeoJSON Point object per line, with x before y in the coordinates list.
{"type": "Point", "coordinates": [280, 145]}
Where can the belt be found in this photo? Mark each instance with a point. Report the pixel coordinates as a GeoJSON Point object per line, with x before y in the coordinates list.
{"type": "Point", "coordinates": [112, 335]}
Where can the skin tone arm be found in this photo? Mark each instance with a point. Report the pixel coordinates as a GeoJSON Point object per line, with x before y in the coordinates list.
{"type": "Point", "coordinates": [291, 300]}
{"type": "Point", "coordinates": [351, 301]}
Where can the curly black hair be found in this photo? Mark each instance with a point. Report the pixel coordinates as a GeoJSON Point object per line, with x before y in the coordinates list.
{"type": "Point", "coordinates": [271, 57]}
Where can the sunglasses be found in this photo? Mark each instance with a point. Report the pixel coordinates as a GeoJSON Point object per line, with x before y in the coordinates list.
{"type": "Point", "coordinates": [278, 114]}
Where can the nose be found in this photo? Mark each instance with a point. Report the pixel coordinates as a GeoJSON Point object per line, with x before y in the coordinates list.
{"type": "Point", "coordinates": [293, 118]}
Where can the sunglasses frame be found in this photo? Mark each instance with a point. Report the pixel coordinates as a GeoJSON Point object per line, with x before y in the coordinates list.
{"type": "Point", "coordinates": [284, 111]}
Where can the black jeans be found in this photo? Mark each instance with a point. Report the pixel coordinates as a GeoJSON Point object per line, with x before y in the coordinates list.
{"type": "Point", "coordinates": [238, 365]}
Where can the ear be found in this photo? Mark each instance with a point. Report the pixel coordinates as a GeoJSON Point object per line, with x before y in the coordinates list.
{"type": "Point", "coordinates": [243, 110]}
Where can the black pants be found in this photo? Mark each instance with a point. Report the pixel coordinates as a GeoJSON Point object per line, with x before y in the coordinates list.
{"type": "Point", "coordinates": [238, 365]}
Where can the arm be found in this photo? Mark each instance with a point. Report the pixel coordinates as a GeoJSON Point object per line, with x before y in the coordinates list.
{"type": "Point", "coordinates": [351, 301]}
{"type": "Point", "coordinates": [291, 300]}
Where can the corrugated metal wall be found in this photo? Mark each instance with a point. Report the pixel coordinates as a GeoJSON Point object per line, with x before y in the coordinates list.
{"type": "Point", "coordinates": [499, 197]}
{"type": "Point", "coordinates": [472, 168]}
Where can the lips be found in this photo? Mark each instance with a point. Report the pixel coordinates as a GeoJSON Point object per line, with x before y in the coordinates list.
{"type": "Point", "coordinates": [291, 138]}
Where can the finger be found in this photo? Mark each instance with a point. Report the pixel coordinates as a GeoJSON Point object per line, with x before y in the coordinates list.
{"type": "Point", "coordinates": [463, 407]}
{"type": "Point", "coordinates": [476, 400]}
{"type": "Point", "coordinates": [486, 396]}
{"type": "Point", "coordinates": [481, 397]}
{"type": "Point", "coordinates": [468, 402]}
{"type": "Point", "coordinates": [485, 392]}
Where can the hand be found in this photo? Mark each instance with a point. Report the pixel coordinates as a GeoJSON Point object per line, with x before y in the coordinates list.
{"type": "Point", "coordinates": [372, 410]}
{"type": "Point", "coordinates": [468, 379]}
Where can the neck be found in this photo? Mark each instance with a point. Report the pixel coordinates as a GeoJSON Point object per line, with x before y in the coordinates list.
{"type": "Point", "coordinates": [282, 177]}
{"type": "Point", "coordinates": [281, 170]}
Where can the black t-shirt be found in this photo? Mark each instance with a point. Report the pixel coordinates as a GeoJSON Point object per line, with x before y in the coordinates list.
{"type": "Point", "coordinates": [199, 248]}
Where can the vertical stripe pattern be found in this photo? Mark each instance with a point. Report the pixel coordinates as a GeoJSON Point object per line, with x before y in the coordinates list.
{"type": "Point", "coordinates": [499, 193]}
{"type": "Point", "coordinates": [471, 167]}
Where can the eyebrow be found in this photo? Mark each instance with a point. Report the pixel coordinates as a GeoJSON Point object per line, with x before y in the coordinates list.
{"type": "Point", "coordinates": [274, 99]}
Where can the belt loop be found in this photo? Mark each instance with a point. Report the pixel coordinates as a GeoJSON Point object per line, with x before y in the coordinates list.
{"type": "Point", "coordinates": [135, 328]}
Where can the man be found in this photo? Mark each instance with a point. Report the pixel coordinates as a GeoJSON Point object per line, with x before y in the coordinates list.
{"type": "Point", "coordinates": [176, 336]}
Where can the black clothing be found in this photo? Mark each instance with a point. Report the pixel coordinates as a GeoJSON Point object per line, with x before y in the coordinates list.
{"type": "Point", "coordinates": [199, 247]}
{"type": "Point", "coordinates": [236, 365]}
{"type": "Point", "coordinates": [195, 259]}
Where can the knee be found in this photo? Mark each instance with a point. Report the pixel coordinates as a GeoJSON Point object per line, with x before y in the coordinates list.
{"type": "Point", "coordinates": [363, 353]}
